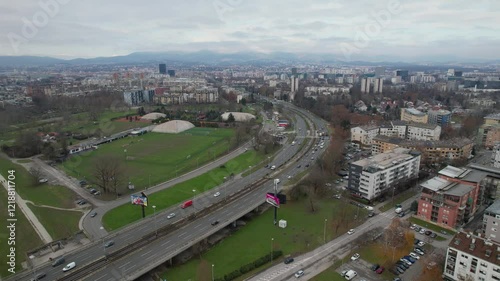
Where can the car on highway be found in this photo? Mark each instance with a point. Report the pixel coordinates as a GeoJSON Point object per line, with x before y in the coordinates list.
{"type": "Point", "coordinates": [171, 215]}
{"type": "Point", "coordinates": [289, 177]}
{"type": "Point", "coordinates": [343, 273]}
{"type": "Point", "coordinates": [351, 231]}
{"type": "Point", "coordinates": [355, 257]}
{"type": "Point", "coordinates": [69, 266]}
{"type": "Point", "coordinates": [299, 273]}
{"type": "Point", "coordinates": [109, 244]}
{"type": "Point", "coordinates": [39, 276]}
{"type": "Point", "coordinates": [273, 167]}
{"type": "Point", "coordinates": [216, 222]}
{"type": "Point", "coordinates": [217, 194]}
{"type": "Point", "coordinates": [93, 214]}
{"type": "Point", "coordinates": [288, 260]}
{"type": "Point", "coordinates": [380, 270]}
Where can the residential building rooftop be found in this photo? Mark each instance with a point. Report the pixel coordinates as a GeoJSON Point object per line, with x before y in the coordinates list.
{"type": "Point", "coordinates": [477, 246]}
{"type": "Point", "coordinates": [414, 111]}
{"type": "Point", "coordinates": [385, 160]}
{"type": "Point", "coordinates": [494, 116]}
{"type": "Point", "coordinates": [494, 208]}
{"type": "Point", "coordinates": [451, 143]}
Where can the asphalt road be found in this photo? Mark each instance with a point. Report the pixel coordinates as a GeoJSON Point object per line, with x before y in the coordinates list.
{"type": "Point", "coordinates": [179, 240]}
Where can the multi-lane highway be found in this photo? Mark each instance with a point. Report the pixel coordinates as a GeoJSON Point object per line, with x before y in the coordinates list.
{"type": "Point", "coordinates": [159, 250]}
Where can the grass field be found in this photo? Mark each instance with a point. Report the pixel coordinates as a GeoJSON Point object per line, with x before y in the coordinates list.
{"type": "Point", "coordinates": [26, 236]}
{"type": "Point", "coordinates": [44, 194]}
{"type": "Point", "coordinates": [154, 157]}
{"type": "Point", "coordinates": [328, 275]}
{"type": "Point", "coordinates": [304, 232]}
{"type": "Point", "coordinates": [128, 213]}
{"type": "Point", "coordinates": [59, 224]}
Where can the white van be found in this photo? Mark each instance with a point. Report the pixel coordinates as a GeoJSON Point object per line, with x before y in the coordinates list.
{"type": "Point", "coordinates": [350, 274]}
{"type": "Point", "coordinates": [273, 167]}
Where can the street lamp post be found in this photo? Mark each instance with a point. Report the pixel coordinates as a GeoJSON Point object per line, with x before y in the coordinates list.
{"type": "Point", "coordinates": [102, 240]}
{"type": "Point", "coordinates": [272, 248]}
{"type": "Point", "coordinates": [213, 272]}
{"type": "Point", "coordinates": [32, 257]}
{"type": "Point", "coordinates": [324, 233]}
{"type": "Point", "coordinates": [154, 218]}
{"type": "Point", "coordinates": [194, 207]}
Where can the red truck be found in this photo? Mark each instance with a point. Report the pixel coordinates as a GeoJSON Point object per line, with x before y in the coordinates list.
{"type": "Point", "coordinates": [187, 204]}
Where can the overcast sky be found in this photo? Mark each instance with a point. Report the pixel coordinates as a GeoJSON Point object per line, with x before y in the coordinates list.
{"type": "Point", "coordinates": [92, 28]}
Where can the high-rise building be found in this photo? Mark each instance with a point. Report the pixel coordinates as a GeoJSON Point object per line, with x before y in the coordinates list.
{"type": "Point", "coordinates": [163, 68]}
{"type": "Point", "coordinates": [294, 84]}
{"type": "Point", "coordinates": [379, 83]}
{"type": "Point", "coordinates": [403, 74]}
{"type": "Point", "coordinates": [171, 73]}
{"type": "Point", "coordinates": [365, 85]}
{"type": "Point", "coordinates": [138, 97]}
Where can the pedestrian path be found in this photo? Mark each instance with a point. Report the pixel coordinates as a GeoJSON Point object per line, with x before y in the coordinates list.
{"type": "Point", "coordinates": [21, 204]}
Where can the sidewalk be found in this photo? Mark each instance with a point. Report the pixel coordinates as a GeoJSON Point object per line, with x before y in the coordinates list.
{"type": "Point", "coordinates": [21, 203]}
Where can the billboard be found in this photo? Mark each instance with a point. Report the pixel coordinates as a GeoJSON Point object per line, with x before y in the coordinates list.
{"type": "Point", "coordinates": [139, 200]}
{"type": "Point", "coordinates": [273, 200]}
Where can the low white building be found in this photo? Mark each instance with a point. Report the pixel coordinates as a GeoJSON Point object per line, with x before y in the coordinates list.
{"type": "Point", "coordinates": [364, 134]}
{"type": "Point", "coordinates": [371, 176]}
{"type": "Point", "coordinates": [421, 131]}
{"type": "Point", "coordinates": [471, 257]}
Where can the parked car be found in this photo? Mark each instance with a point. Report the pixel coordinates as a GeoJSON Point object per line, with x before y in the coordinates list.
{"type": "Point", "coordinates": [413, 226]}
{"type": "Point", "coordinates": [420, 243]}
{"type": "Point", "coordinates": [406, 261]}
{"type": "Point", "coordinates": [380, 270]}
{"type": "Point", "coordinates": [374, 267]}
{"type": "Point", "coordinates": [351, 231]}
{"type": "Point", "coordinates": [428, 232]}
{"type": "Point", "coordinates": [422, 231]}
{"type": "Point", "coordinates": [289, 260]}
{"type": "Point", "coordinates": [217, 194]}
{"type": "Point", "coordinates": [355, 257]}
{"type": "Point", "coordinates": [415, 256]}
{"type": "Point", "coordinates": [43, 180]}
{"type": "Point", "coordinates": [299, 273]}
{"type": "Point", "coordinates": [403, 264]}
{"type": "Point", "coordinates": [410, 258]}
{"type": "Point", "coordinates": [433, 235]}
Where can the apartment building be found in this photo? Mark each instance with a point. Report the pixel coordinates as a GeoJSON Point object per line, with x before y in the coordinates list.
{"type": "Point", "coordinates": [138, 97]}
{"type": "Point", "coordinates": [492, 119]}
{"type": "Point", "coordinates": [371, 176]}
{"type": "Point", "coordinates": [491, 222]}
{"type": "Point", "coordinates": [452, 197]}
{"type": "Point", "coordinates": [364, 134]}
{"type": "Point", "coordinates": [471, 257]}
{"type": "Point", "coordinates": [441, 117]}
{"type": "Point", "coordinates": [400, 129]}
{"type": "Point", "coordinates": [413, 115]}
{"type": "Point", "coordinates": [432, 151]}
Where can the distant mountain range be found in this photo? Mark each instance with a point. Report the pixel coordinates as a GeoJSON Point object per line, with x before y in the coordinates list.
{"type": "Point", "coordinates": [220, 59]}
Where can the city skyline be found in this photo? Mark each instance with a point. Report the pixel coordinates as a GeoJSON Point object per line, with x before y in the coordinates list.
{"type": "Point", "coordinates": [401, 30]}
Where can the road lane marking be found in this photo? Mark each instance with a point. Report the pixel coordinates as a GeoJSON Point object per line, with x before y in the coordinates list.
{"type": "Point", "coordinates": [125, 264]}
{"type": "Point", "coordinates": [182, 234]}
{"type": "Point", "coordinates": [165, 243]}
{"type": "Point", "coordinates": [101, 277]}
{"type": "Point", "coordinates": [146, 253]}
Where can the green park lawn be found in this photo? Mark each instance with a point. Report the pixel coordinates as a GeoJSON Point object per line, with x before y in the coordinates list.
{"type": "Point", "coordinates": [154, 157]}
{"type": "Point", "coordinates": [59, 224]}
{"type": "Point", "coordinates": [26, 237]}
{"type": "Point", "coordinates": [127, 213]}
{"type": "Point", "coordinates": [304, 232]}
{"type": "Point", "coordinates": [40, 194]}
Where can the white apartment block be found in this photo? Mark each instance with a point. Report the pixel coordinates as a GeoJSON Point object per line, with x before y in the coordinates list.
{"type": "Point", "coordinates": [372, 176]}
{"type": "Point", "coordinates": [400, 129]}
{"type": "Point", "coordinates": [491, 222]}
{"type": "Point", "coordinates": [496, 157]}
{"type": "Point", "coordinates": [471, 257]}
{"type": "Point", "coordinates": [364, 134]}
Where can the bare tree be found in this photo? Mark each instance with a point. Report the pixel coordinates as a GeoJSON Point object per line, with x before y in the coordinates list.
{"type": "Point", "coordinates": [36, 175]}
{"type": "Point", "coordinates": [108, 173]}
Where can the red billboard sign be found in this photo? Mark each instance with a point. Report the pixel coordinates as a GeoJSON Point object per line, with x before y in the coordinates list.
{"type": "Point", "coordinates": [273, 200]}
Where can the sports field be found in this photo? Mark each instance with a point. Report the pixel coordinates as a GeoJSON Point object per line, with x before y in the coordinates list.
{"type": "Point", "coordinates": [155, 157]}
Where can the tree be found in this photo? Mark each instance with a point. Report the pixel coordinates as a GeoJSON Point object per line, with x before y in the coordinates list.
{"type": "Point", "coordinates": [243, 101]}
{"type": "Point", "coordinates": [231, 118]}
{"type": "Point", "coordinates": [414, 206]}
{"type": "Point", "coordinates": [108, 173]}
{"type": "Point", "coordinates": [36, 175]}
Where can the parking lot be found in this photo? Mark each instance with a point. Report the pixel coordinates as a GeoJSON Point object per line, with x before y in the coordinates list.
{"type": "Point", "coordinates": [362, 268]}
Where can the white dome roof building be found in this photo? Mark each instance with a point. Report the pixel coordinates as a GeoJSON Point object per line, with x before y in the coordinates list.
{"type": "Point", "coordinates": [238, 116]}
{"type": "Point", "coordinates": [173, 127]}
{"type": "Point", "coordinates": [153, 116]}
